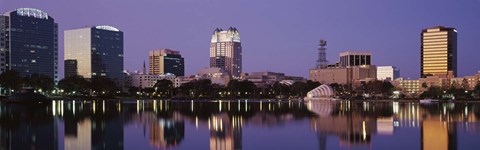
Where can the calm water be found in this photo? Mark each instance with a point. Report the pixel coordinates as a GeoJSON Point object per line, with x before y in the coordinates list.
{"type": "Point", "coordinates": [157, 124]}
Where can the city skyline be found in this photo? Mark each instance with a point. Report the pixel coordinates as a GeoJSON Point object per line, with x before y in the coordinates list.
{"type": "Point", "coordinates": [272, 34]}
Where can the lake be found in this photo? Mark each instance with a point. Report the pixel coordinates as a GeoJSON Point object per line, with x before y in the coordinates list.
{"type": "Point", "coordinates": [240, 124]}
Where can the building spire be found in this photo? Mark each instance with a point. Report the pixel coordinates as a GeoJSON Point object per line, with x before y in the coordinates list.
{"type": "Point", "coordinates": [144, 68]}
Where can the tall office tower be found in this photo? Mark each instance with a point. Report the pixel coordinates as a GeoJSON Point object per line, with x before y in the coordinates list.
{"type": "Point", "coordinates": [438, 52]}
{"type": "Point", "coordinates": [322, 55]}
{"type": "Point", "coordinates": [29, 43]}
{"type": "Point", "coordinates": [98, 51]}
{"type": "Point", "coordinates": [387, 72]}
{"type": "Point", "coordinates": [226, 51]}
{"type": "Point", "coordinates": [352, 58]}
{"type": "Point", "coordinates": [163, 61]}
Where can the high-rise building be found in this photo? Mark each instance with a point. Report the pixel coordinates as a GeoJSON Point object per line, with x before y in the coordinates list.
{"type": "Point", "coordinates": [438, 52]}
{"type": "Point", "coordinates": [322, 55]}
{"type": "Point", "coordinates": [354, 58]}
{"type": "Point", "coordinates": [387, 72]}
{"type": "Point", "coordinates": [29, 43]}
{"type": "Point", "coordinates": [70, 68]}
{"type": "Point", "coordinates": [165, 61]}
{"type": "Point", "coordinates": [226, 51]}
{"type": "Point", "coordinates": [98, 51]}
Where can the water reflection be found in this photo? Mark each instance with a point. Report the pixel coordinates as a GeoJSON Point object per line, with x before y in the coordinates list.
{"type": "Point", "coordinates": [232, 125]}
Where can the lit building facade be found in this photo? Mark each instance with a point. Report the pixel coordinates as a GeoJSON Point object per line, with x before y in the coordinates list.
{"type": "Point", "coordinates": [141, 80]}
{"type": "Point", "coordinates": [343, 75]}
{"type": "Point", "coordinates": [164, 61]}
{"type": "Point", "coordinates": [387, 73]}
{"type": "Point", "coordinates": [260, 79]}
{"type": "Point", "coordinates": [410, 88]}
{"type": "Point", "coordinates": [98, 51]}
{"type": "Point", "coordinates": [29, 43]}
{"type": "Point", "coordinates": [353, 66]}
{"type": "Point", "coordinates": [438, 52]}
{"type": "Point", "coordinates": [226, 51]}
{"type": "Point", "coordinates": [355, 58]}
{"type": "Point", "coordinates": [216, 75]}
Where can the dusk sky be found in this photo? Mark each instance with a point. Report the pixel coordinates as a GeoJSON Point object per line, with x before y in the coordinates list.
{"type": "Point", "coordinates": [276, 35]}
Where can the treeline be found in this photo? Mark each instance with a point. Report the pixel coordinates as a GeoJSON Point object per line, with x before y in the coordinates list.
{"type": "Point", "coordinates": [205, 89]}
{"type": "Point", "coordinates": [12, 81]}
{"type": "Point", "coordinates": [451, 92]}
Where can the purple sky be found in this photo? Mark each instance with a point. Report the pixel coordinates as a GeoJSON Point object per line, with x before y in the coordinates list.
{"type": "Point", "coordinates": [277, 35]}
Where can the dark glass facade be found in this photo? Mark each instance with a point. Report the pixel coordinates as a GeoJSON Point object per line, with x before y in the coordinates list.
{"type": "Point", "coordinates": [71, 68]}
{"type": "Point", "coordinates": [107, 53]}
{"type": "Point", "coordinates": [29, 43]}
{"type": "Point", "coordinates": [174, 64]}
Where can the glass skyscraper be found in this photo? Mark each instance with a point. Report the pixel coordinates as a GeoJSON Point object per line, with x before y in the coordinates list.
{"type": "Point", "coordinates": [97, 50]}
{"type": "Point", "coordinates": [164, 61]}
{"type": "Point", "coordinates": [438, 52]}
{"type": "Point", "coordinates": [29, 43]}
{"type": "Point", "coordinates": [226, 51]}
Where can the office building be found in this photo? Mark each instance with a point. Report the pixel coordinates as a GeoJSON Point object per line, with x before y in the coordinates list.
{"type": "Point", "coordinates": [216, 75]}
{"type": "Point", "coordinates": [438, 52]}
{"type": "Point", "coordinates": [260, 79]}
{"type": "Point", "coordinates": [166, 61]}
{"type": "Point", "coordinates": [141, 80]}
{"type": "Point", "coordinates": [98, 51]}
{"type": "Point", "coordinates": [343, 75]}
{"type": "Point", "coordinates": [387, 73]}
{"type": "Point", "coordinates": [355, 58]}
{"type": "Point", "coordinates": [29, 43]}
{"type": "Point", "coordinates": [226, 51]}
{"type": "Point", "coordinates": [353, 66]}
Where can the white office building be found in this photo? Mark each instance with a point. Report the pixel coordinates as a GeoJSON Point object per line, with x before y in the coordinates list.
{"type": "Point", "coordinates": [387, 73]}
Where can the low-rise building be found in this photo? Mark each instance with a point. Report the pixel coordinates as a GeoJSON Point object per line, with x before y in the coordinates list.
{"type": "Point", "coordinates": [387, 73]}
{"type": "Point", "coordinates": [410, 88]}
{"type": "Point", "coordinates": [216, 75]}
{"type": "Point", "coordinates": [260, 79]}
{"type": "Point", "coordinates": [343, 75]}
{"type": "Point", "coordinates": [142, 80]}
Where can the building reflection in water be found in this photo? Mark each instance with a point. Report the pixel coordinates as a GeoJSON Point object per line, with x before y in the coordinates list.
{"type": "Point", "coordinates": [100, 124]}
{"type": "Point", "coordinates": [225, 132]}
{"type": "Point", "coordinates": [27, 127]}
{"type": "Point", "coordinates": [354, 123]}
{"type": "Point", "coordinates": [353, 129]}
{"type": "Point", "coordinates": [90, 125]}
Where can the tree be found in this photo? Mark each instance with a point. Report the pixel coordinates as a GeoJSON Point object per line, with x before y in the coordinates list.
{"type": "Point", "coordinates": [424, 85]}
{"type": "Point", "coordinates": [74, 83]}
{"type": "Point", "coordinates": [476, 90]}
{"type": "Point", "coordinates": [134, 90]}
{"type": "Point", "coordinates": [432, 92]}
{"type": "Point", "coordinates": [242, 89]}
{"type": "Point", "coordinates": [11, 80]}
{"type": "Point", "coordinates": [465, 84]}
{"type": "Point", "coordinates": [281, 90]}
{"type": "Point", "coordinates": [39, 81]}
{"type": "Point", "coordinates": [164, 88]}
{"type": "Point", "coordinates": [388, 88]}
{"type": "Point", "coordinates": [299, 89]}
{"type": "Point", "coordinates": [103, 86]}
